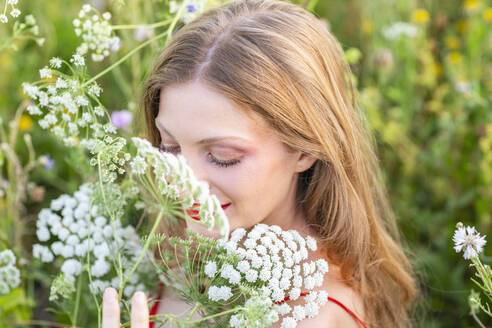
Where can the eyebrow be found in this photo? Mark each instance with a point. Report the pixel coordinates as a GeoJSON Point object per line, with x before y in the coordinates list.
{"type": "Point", "coordinates": [203, 141]}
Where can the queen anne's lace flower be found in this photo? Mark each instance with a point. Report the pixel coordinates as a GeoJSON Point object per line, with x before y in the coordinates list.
{"type": "Point", "coordinates": [14, 12]}
{"type": "Point", "coordinates": [96, 33]}
{"type": "Point", "coordinates": [269, 273]}
{"type": "Point", "coordinates": [468, 240]}
{"type": "Point", "coordinates": [74, 226]}
{"type": "Point", "coordinates": [9, 274]}
{"type": "Point", "coordinates": [219, 293]}
{"type": "Point", "coordinates": [176, 180]}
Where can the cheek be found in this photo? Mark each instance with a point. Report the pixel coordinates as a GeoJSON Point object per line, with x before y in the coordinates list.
{"type": "Point", "coordinates": [253, 189]}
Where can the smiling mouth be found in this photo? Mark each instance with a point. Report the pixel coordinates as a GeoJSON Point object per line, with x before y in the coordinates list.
{"type": "Point", "coordinates": [194, 213]}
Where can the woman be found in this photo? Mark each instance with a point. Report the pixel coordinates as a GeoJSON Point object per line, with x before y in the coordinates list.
{"type": "Point", "coordinates": [270, 84]}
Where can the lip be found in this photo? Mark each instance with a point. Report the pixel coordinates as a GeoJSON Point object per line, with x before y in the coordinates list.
{"type": "Point", "coordinates": [194, 213]}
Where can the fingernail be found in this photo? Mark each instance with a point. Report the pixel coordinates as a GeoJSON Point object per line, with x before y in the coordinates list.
{"type": "Point", "coordinates": [139, 298]}
{"type": "Point", "coordinates": [109, 295]}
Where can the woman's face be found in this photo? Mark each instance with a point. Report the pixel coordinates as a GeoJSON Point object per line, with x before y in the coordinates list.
{"type": "Point", "coordinates": [240, 157]}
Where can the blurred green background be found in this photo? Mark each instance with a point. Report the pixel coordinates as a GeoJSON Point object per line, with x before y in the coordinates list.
{"type": "Point", "coordinates": [423, 71]}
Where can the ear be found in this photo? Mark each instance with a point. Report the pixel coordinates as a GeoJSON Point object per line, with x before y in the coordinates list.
{"type": "Point", "coordinates": [304, 162]}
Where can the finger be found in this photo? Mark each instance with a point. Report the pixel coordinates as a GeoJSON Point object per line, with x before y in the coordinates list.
{"type": "Point", "coordinates": [140, 311]}
{"type": "Point", "coordinates": [110, 309]}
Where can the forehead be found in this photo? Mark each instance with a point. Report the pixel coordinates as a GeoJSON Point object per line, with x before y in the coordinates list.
{"type": "Point", "coordinates": [193, 111]}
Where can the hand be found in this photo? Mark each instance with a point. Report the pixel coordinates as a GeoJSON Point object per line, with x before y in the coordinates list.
{"type": "Point", "coordinates": [111, 310]}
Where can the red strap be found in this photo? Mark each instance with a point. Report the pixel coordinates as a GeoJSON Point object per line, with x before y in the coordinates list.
{"type": "Point", "coordinates": [348, 310]}
{"type": "Point", "coordinates": [155, 306]}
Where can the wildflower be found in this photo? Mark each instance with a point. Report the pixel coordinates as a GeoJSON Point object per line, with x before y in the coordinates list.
{"type": "Point", "coordinates": [177, 180]}
{"type": "Point", "coordinates": [3, 19]}
{"type": "Point", "coordinates": [211, 269]}
{"type": "Point", "coordinates": [192, 8]}
{"type": "Point", "coordinates": [45, 73]}
{"type": "Point", "coordinates": [25, 123]}
{"type": "Point", "coordinates": [454, 57]}
{"type": "Point", "coordinates": [143, 33]}
{"type": "Point", "coordinates": [121, 119]}
{"type": "Point", "coordinates": [62, 286]}
{"type": "Point", "coordinates": [55, 62]}
{"type": "Point", "coordinates": [471, 6]}
{"type": "Point", "coordinates": [487, 15]}
{"type": "Point", "coordinates": [76, 225]}
{"type": "Point", "coordinates": [469, 240]}
{"type": "Point", "coordinates": [420, 16]}
{"type": "Point", "coordinates": [138, 165]}
{"type": "Point", "coordinates": [15, 12]}
{"type": "Point", "coordinates": [78, 60]}
{"type": "Point", "coordinates": [277, 281]}
{"type": "Point", "coordinates": [96, 33]}
{"type": "Point", "coordinates": [399, 29]}
{"type": "Point", "coordinates": [9, 274]}
{"type": "Point", "coordinates": [219, 293]}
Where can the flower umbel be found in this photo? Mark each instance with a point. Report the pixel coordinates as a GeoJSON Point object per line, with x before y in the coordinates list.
{"type": "Point", "coordinates": [9, 274]}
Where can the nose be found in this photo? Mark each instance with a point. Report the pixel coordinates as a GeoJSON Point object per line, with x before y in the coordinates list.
{"type": "Point", "coordinates": [193, 161]}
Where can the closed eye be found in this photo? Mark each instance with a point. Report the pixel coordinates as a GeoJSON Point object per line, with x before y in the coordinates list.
{"type": "Point", "coordinates": [212, 159]}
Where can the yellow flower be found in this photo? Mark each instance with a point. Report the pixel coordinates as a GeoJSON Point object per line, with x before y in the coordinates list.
{"type": "Point", "coordinates": [487, 15]}
{"type": "Point", "coordinates": [462, 26]}
{"type": "Point", "coordinates": [471, 5]}
{"type": "Point", "coordinates": [455, 57]}
{"type": "Point", "coordinates": [452, 42]}
{"type": "Point", "coordinates": [25, 122]}
{"type": "Point", "coordinates": [437, 69]}
{"type": "Point", "coordinates": [367, 26]}
{"type": "Point", "coordinates": [420, 16]}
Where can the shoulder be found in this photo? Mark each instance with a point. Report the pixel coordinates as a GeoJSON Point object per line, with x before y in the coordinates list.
{"type": "Point", "coordinates": [330, 315]}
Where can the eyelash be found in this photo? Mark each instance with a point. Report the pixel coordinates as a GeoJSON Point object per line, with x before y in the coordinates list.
{"type": "Point", "coordinates": [214, 160]}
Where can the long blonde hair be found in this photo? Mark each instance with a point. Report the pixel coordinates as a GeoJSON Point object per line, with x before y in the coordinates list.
{"type": "Point", "coordinates": [280, 61]}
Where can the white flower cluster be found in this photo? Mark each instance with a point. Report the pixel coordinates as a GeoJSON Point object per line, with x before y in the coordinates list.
{"type": "Point", "coordinates": [258, 312]}
{"type": "Point", "coordinates": [68, 104]}
{"type": "Point", "coordinates": [469, 240]}
{"type": "Point", "coordinates": [74, 230]}
{"type": "Point", "coordinates": [191, 10]}
{"type": "Point", "coordinates": [275, 261]}
{"type": "Point", "coordinates": [14, 11]}
{"type": "Point", "coordinates": [96, 33]}
{"type": "Point", "coordinates": [399, 29]}
{"type": "Point", "coordinates": [176, 180]}
{"type": "Point", "coordinates": [9, 274]}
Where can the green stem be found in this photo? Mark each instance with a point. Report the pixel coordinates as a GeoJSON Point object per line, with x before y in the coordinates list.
{"type": "Point", "coordinates": [188, 322]}
{"type": "Point", "coordinates": [125, 57]}
{"type": "Point", "coordinates": [142, 254]}
{"type": "Point", "coordinates": [173, 24]}
{"type": "Point", "coordinates": [193, 311]}
{"type": "Point", "coordinates": [135, 26]}
{"type": "Point", "coordinates": [77, 301]}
